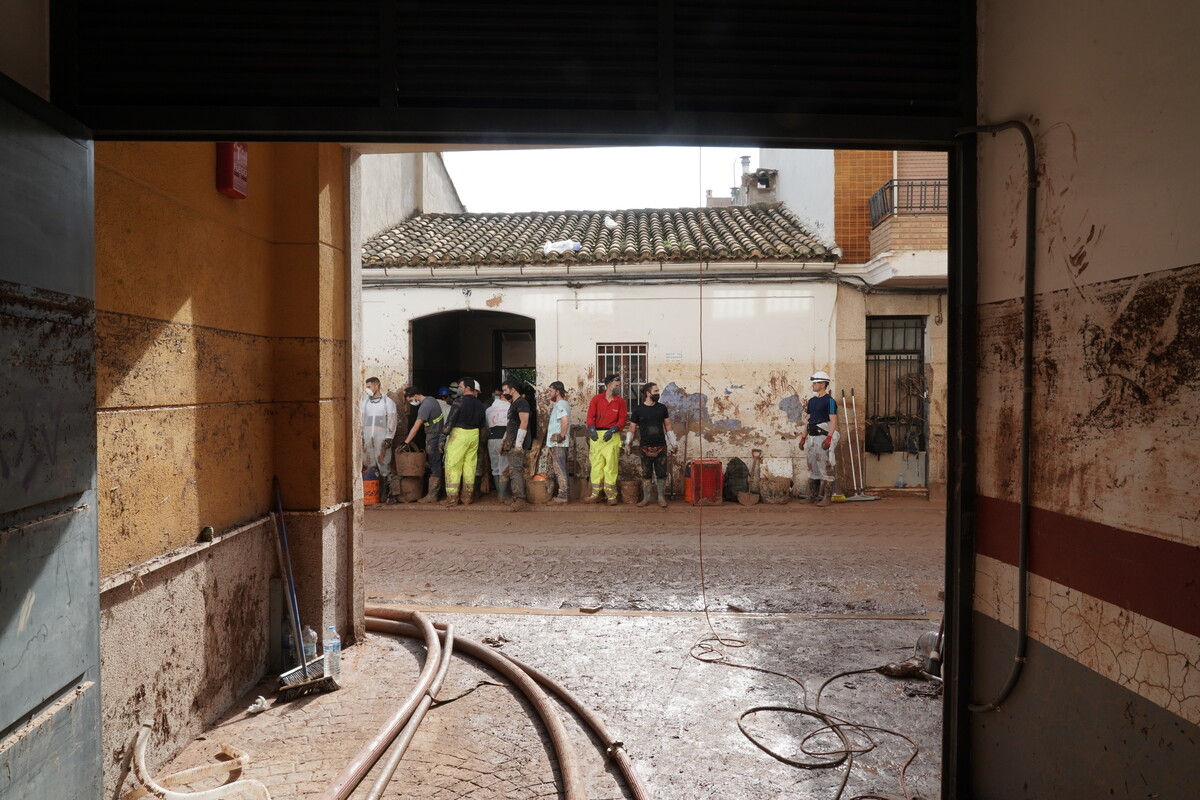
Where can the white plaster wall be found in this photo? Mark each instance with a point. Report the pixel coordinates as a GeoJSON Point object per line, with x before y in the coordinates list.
{"type": "Point", "coordinates": [805, 185]}
{"type": "Point", "coordinates": [1109, 91]}
{"type": "Point", "coordinates": [760, 343]}
{"type": "Point", "coordinates": [438, 195]}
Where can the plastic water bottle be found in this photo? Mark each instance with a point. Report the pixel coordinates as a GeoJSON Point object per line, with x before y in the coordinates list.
{"type": "Point", "coordinates": [310, 643]}
{"type": "Point", "coordinates": [899, 481]}
{"type": "Point", "coordinates": [333, 652]}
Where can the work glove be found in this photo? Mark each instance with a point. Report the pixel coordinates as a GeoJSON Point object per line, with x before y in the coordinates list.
{"type": "Point", "coordinates": [628, 441]}
{"type": "Point", "coordinates": [828, 441]}
{"type": "Point", "coordinates": [608, 434]}
{"type": "Point", "coordinates": [558, 437]}
{"type": "Point", "coordinates": [442, 444]}
{"type": "Point", "coordinates": [672, 442]}
{"type": "Point", "coordinates": [387, 443]}
{"type": "Point", "coordinates": [506, 445]}
{"type": "Point", "coordinates": [803, 439]}
{"type": "Point", "coordinates": [592, 432]}
{"type": "Point", "coordinates": [520, 440]}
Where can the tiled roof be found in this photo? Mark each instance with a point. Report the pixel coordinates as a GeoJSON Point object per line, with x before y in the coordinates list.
{"type": "Point", "coordinates": [766, 232]}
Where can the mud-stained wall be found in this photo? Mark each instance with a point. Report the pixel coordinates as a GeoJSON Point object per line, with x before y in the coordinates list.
{"type": "Point", "coordinates": [221, 350]}
{"type": "Point", "coordinates": [732, 359]}
{"type": "Point", "coordinates": [1115, 531]}
{"type": "Point", "coordinates": [182, 642]}
{"type": "Point", "coordinates": [927, 469]}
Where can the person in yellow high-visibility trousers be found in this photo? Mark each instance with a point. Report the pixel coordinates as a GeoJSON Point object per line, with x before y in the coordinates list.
{"type": "Point", "coordinates": [462, 443]}
{"type": "Point", "coordinates": [607, 412]}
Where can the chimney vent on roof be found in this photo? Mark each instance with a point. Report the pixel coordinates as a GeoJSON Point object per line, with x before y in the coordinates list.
{"type": "Point", "coordinates": [745, 164]}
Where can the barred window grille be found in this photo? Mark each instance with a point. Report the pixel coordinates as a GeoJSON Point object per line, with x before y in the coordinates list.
{"type": "Point", "coordinates": [628, 360]}
{"type": "Point", "coordinates": [897, 394]}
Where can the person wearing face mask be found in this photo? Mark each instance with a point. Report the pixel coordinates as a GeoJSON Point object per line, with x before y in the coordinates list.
{"type": "Point", "coordinates": [820, 439]}
{"type": "Point", "coordinates": [462, 443]}
{"type": "Point", "coordinates": [512, 447]}
{"type": "Point", "coordinates": [606, 412]}
{"type": "Point", "coordinates": [650, 420]}
{"type": "Point", "coordinates": [379, 420]}
{"type": "Point", "coordinates": [497, 422]}
{"type": "Point", "coordinates": [429, 417]}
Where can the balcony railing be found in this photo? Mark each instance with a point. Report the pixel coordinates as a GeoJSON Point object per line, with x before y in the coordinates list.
{"type": "Point", "coordinates": [908, 197]}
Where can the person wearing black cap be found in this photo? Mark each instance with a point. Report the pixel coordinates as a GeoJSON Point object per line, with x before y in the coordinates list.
{"type": "Point", "coordinates": [558, 435]}
{"type": "Point", "coordinates": [462, 443]}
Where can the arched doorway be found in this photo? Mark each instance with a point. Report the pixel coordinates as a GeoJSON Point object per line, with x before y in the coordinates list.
{"type": "Point", "coordinates": [486, 345]}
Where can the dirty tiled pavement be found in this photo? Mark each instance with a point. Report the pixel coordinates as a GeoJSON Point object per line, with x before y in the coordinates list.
{"type": "Point", "coordinates": [630, 661]}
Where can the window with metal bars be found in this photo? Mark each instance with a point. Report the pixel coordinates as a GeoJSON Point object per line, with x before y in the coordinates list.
{"type": "Point", "coordinates": [897, 395]}
{"type": "Point", "coordinates": [628, 360]}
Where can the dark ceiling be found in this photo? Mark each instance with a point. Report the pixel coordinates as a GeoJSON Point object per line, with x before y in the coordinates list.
{"type": "Point", "coordinates": [631, 71]}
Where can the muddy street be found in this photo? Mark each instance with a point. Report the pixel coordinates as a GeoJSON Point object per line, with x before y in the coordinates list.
{"type": "Point", "coordinates": [609, 602]}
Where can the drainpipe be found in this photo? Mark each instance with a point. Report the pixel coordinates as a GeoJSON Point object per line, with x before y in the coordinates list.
{"type": "Point", "coordinates": [1031, 184]}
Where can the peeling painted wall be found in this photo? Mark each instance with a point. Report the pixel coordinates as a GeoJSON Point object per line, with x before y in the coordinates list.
{"type": "Point", "coordinates": [759, 345]}
{"type": "Point", "coordinates": [1115, 544]}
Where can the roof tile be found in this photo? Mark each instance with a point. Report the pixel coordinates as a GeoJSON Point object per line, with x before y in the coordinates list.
{"type": "Point", "coordinates": [765, 232]}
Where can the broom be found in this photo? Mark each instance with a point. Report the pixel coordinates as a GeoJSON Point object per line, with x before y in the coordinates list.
{"type": "Point", "coordinates": [309, 677]}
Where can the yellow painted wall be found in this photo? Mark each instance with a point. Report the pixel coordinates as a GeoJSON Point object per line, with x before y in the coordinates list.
{"type": "Point", "coordinates": [222, 338]}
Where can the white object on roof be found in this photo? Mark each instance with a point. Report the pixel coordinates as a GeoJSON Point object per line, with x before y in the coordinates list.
{"type": "Point", "coordinates": [566, 245]}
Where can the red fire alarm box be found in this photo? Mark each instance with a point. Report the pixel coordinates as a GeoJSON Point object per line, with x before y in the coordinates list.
{"type": "Point", "coordinates": [233, 169]}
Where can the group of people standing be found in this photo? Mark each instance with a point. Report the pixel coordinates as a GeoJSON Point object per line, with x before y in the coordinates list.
{"type": "Point", "coordinates": [453, 432]}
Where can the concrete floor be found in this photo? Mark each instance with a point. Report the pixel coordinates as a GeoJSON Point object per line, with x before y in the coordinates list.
{"type": "Point", "coordinates": [608, 601]}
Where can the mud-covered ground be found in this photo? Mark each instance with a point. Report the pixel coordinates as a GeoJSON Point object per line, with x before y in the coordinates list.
{"type": "Point", "coordinates": [608, 601]}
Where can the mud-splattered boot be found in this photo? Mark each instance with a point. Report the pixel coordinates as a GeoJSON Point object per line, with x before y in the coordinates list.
{"type": "Point", "coordinates": [468, 496]}
{"type": "Point", "coordinates": [661, 485]}
{"type": "Point", "coordinates": [435, 486]}
{"type": "Point", "coordinates": [645, 501]}
{"type": "Point", "coordinates": [451, 496]}
{"type": "Point", "coordinates": [826, 494]}
{"type": "Point", "coordinates": [814, 491]}
{"type": "Point", "coordinates": [503, 492]}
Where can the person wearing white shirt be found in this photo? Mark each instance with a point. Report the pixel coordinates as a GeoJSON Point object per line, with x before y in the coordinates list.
{"type": "Point", "coordinates": [496, 418]}
{"type": "Point", "coordinates": [379, 420]}
{"type": "Point", "coordinates": [558, 439]}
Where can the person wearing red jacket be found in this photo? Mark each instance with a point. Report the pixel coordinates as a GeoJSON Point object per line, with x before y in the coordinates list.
{"type": "Point", "coordinates": [606, 416]}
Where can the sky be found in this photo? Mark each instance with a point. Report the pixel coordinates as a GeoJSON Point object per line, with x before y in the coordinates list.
{"type": "Point", "coordinates": [594, 178]}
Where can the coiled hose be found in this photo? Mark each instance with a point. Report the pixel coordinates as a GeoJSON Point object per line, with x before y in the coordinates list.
{"type": "Point", "coordinates": [389, 620]}
{"type": "Point", "coordinates": [361, 764]}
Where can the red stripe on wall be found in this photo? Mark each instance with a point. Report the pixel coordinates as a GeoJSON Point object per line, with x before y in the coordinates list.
{"type": "Point", "coordinates": [1153, 577]}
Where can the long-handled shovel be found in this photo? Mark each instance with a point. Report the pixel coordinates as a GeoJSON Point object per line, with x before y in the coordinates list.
{"type": "Point", "coordinates": [855, 449]}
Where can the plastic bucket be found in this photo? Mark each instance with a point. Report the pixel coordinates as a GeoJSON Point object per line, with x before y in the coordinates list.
{"type": "Point", "coordinates": [631, 491]}
{"type": "Point", "coordinates": [776, 491]}
{"type": "Point", "coordinates": [537, 492]}
{"type": "Point", "coordinates": [370, 492]}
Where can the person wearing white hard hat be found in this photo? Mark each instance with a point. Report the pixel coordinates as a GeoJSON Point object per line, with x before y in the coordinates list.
{"type": "Point", "coordinates": [820, 439]}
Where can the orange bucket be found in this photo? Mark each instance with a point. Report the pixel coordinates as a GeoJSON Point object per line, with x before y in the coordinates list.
{"type": "Point", "coordinates": [370, 492]}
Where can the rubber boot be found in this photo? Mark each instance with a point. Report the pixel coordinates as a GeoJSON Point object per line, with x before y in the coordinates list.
{"type": "Point", "coordinates": [435, 486]}
{"type": "Point", "coordinates": [518, 504]}
{"type": "Point", "coordinates": [468, 496]}
{"type": "Point", "coordinates": [826, 494]}
{"type": "Point", "coordinates": [451, 498]}
{"type": "Point", "coordinates": [661, 485]}
{"type": "Point", "coordinates": [592, 498]}
{"type": "Point", "coordinates": [645, 501]}
{"type": "Point", "coordinates": [503, 491]}
{"type": "Point", "coordinates": [814, 491]}
{"type": "Point", "coordinates": [611, 494]}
